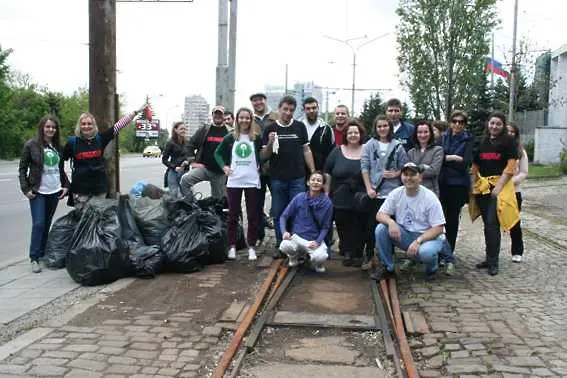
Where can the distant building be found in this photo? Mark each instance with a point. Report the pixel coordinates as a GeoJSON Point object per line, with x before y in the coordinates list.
{"type": "Point", "coordinates": [300, 91]}
{"type": "Point", "coordinates": [549, 138]}
{"type": "Point", "coordinates": [195, 113]}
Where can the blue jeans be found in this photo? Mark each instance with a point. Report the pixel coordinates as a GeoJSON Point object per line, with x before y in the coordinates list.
{"type": "Point", "coordinates": [283, 192]}
{"type": "Point", "coordinates": [427, 253]}
{"type": "Point", "coordinates": [173, 179]}
{"type": "Point", "coordinates": [42, 207]}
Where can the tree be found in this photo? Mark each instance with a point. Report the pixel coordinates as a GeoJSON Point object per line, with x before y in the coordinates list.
{"type": "Point", "coordinates": [372, 107]}
{"type": "Point", "coordinates": [442, 48]}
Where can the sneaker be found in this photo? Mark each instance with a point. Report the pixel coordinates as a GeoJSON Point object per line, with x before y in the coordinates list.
{"type": "Point", "coordinates": [482, 265]}
{"type": "Point", "coordinates": [493, 270]}
{"type": "Point", "coordinates": [517, 258]}
{"type": "Point", "coordinates": [381, 273]}
{"type": "Point", "coordinates": [251, 254]}
{"type": "Point", "coordinates": [232, 253]}
{"type": "Point", "coordinates": [320, 268]}
{"type": "Point", "coordinates": [293, 262]}
{"type": "Point", "coordinates": [406, 264]}
{"type": "Point", "coordinates": [366, 266]}
{"type": "Point", "coordinates": [442, 263]}
{"type": "Point", "coordinates": [35, 267]}
{"type": "Point", "coordinates": [450, 269]}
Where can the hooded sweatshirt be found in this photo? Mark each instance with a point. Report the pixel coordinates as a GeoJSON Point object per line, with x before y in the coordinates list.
{"type": "Point", "coordinates": [321, 141]}
{"type": "Point", "coordinates": [371, 163]}
{"type": "Point", "coordinates": [456, 173]}
{"type": "Point", "coordinates": [301, 216]}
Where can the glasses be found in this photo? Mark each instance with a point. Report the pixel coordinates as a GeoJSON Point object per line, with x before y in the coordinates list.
{"type": "Point", "coordinates": [459, 121]}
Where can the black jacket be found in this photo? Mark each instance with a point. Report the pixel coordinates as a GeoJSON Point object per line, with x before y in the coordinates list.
{"type": "Point", "coordinates": [322, 143]}
{"type": "Point", "coordinates": [196, 142]}
{"type": "Point", "coordinates": [174, 154]}
{"type": "Point", "coordinates": [31, 167]}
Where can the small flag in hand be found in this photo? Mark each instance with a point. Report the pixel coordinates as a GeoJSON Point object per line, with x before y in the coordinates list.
{"type": "Point", "coordinates": [148, 112]}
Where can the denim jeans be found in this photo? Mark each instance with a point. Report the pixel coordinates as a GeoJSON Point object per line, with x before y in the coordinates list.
{"type": "Point", "coordinates": [283, 192]}
{"type": "Point", "coordinates": [427, 253]}
{"type": "Point", "coordinates": [173, 179]}
{"type": "Point", "coordinates": [42, 207]}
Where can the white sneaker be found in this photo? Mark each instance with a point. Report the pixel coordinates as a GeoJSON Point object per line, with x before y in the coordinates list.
{"type": "Point", "coordinates": [35, 267]}
{"type": "Point", "coordinates": [320, 268]}
{"type": "Point", "coordinates": [251, 254]}
{"type": "Point", "coordinates": [517, 258]}
{"type": "Point", "coordinates": [293, 262]}
{"type": "Point", "coordinates": [232, 254]}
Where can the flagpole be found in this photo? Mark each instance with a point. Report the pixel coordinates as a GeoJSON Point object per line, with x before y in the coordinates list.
{"type": "Point", "coordinates": [512, 101]}
{"type": "Point", "coordinates": [492, 71]}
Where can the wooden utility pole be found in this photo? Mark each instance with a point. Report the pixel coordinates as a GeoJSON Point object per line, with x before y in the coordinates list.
{"type": "Point", "coordinates": [222, 75]}
{"type": "Point", "coordinates": [102, 78]}
{"type": "Point", "coordinates": [512, 101]}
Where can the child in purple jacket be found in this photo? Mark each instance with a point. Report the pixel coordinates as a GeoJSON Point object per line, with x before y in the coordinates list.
{"type": "Point", "coordinates": [310, 214]}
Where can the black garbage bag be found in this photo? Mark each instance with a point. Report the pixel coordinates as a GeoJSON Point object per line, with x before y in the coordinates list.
{"type": "Point", "coordinates": [185, 243]}
{"type": "Point", "coordinates": [129, 230]}
{"type": "Point", "coordinates": [146, 261]}
{"type": "Point", "coordinates": [151, 218]}
{"type": "Point", "coordinates": [217, 238]}
{"type": "Point", "coordinates": [98, 255]}
{"type": "Point", "coordinates": [59, 240]}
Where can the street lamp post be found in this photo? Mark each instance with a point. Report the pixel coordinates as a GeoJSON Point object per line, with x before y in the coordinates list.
{"type": "Point", "coordinates": [354, 52]}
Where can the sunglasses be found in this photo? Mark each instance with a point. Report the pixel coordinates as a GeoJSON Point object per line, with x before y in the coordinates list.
{"type": "Point", "coordinates": [459, 121]}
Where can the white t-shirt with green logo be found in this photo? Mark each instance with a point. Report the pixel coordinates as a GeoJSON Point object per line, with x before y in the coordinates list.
{"type": "Point", "coordinates": [50, 179]}
{"type": "Point", "coordinates": [243, 165]}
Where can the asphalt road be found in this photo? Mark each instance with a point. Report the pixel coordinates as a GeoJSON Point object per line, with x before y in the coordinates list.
{"type": "Point", "coordinates": [15, 217]}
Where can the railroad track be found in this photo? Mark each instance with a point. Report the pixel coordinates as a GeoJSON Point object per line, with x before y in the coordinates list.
{"type": "Point", "coordinates": [387, 319]}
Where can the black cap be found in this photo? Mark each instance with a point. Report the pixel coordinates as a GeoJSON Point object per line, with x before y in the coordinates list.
{"type": "Point", "coordinates": [412, 167]}
{"type": "Point", "coordinates": [259, 94]}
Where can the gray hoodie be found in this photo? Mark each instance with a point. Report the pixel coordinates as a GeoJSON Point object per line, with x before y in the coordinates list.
{"type": "Point", "coordinates": [371, 163]}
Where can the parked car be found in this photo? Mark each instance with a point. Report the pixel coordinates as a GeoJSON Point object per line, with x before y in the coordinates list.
{"type": "Point", "coordinates": [152, 151]}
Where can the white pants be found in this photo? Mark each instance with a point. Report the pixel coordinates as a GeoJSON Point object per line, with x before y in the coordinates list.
{"type": "Point", "coordinates": [297, 246]}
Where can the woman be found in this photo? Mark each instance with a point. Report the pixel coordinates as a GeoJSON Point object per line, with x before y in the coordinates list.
{"type": "Point", "coordinates": [381, 161]}
{"type": "Point", "coordinates": [439, 128]}
{"type": "Point", "coordinates": [175, 158]}
{"type": "Point", "coordinates": [494, 164]}
{"type": "Point", "coordinates": [310, 215]}
{"type": "Point", "coordinates": [343, 167]}
{"type": "Point", "coordinates": [43, 181]}
{"type": "Point", "coordinates": [239, 157]}
{"type": "Point", "coordinates": [86, 151]}
{"type": "Point", "coordinates": [454, 180]}
{"type": "Point", "coordinates": [427, 154]}
{"type": "Point", "coordinates": [520, 175]}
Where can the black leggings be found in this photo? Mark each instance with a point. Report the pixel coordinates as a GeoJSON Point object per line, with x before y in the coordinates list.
{"type": "Point", "coordinates": [453, 198]}
{"type": "Point", "coordinates": [516, 232]}
{"type": "Point", "coordinates": [350, 227]}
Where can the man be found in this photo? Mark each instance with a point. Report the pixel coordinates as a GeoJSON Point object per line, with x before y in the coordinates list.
{"type": "Point", "coordinates": [403, 131]}
{"type": "Point", "coordinates": [263, 117]}
{"type": "Point", "coordinates": [417, 228]}
{"type": "Point", "coordinates": [286, 146]}
{"type": "Point", "coordinates": [202, 146]}
{"type": "Point", "coordinates": [320, 135]}
{"type": "Point", "coordinates": [229, 120]}
{"type": "Point", "coordinates": [341, 122]}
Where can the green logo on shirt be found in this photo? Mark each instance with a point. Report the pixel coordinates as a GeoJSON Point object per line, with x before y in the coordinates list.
{"type": "Point", "coordinates": [50, 158]}
{"type": "Point", "coordinates": [243, 150]}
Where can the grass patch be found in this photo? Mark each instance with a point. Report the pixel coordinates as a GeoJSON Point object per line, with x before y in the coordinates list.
{"type": "Point", "coordinates": [541, 171]}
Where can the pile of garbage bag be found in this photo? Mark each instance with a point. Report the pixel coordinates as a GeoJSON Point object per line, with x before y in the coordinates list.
{"type": "Point", "coordinates": [139, 236]}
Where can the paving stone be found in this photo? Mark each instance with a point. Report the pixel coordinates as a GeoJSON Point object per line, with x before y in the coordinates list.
{"type": "Point", "coordinates": [121, 360]}
{"type": "Point", "coordinates": [510, 369]}
{"type": "Point", "coordinates": [13, 369]}
{"type": "Point", "coordinates": [526, 361]}
{"type": "Point", "coordinates": [116, 322]}
{"type": "Point", "coordinates": [429, 351]}
{"type": "Point", "coordinates": [168, 371]}
{"type": "Point", "coordinates": [429, 374]}
{"type": "Point", "coordinates": [144, 346]}
{"type": "Point", "coordinates": [435, 362]}
{"type": "Point", "coordinates": [93, 356]}
{"type": "Point", "coordinates": [32, 353]}
{"type": "Point", "coordinates": [150, 370]}
{"type": "Point", "coordinates": [50, 361]}
{"type": "Point", "coordinates": [212, 331]}
{"type": "Point", "coordinates": [542, 372]}
{"type": "Point", "coordinates": [123, 369]}
{"type": "Point", "coordinates": [460, 354]}
{"type": "Point", "coordinates": [189, 353]}
{"type": "Point", "coordinates": [191, 367]}
{"type": "Point", "coordinates": [76, 335]}
{"type": "Point", "coordinates": [463, 369]}
{"type": "Point", "coordinates": [59, 354]}
{"type": "Point", "coordinates": [474, 346]}
{"type": "Point", "coordinates": [41, 346]}
{"type": "Point", "coordinates": [79, 329]}
{"type": "Point", "coordinates": [88, 365]}
{"type": "Point", "coordinates": [79, 373]}
{"type": "Point", "coordinates": [452, 347]}
{"type": "Point", "coordinates": [47, 371]}
{"type": "Point", "coordinates": [113, 343]}
{"type": "Point", "coordinates": [143, 354]}
{"type": "Point", "coordinates": [81, 348]}
{"type": "Point", "coordinates": [281, 370]}
{"type": "Point", "coordinates": [58, 340]}
{"type": "Point", "coordinates": [167, 357]}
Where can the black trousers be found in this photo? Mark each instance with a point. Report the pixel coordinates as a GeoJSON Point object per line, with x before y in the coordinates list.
{"type": "Point", "coordinates": [452, 198]}
{"type": "Point", "coordinates": [516, 232]}
{"type": "Point", "coordinates": [370, 227]}
{"type": "Point", "coordinates": [351, 230]}
{"type": "Point", "coordinates": [492, 236]}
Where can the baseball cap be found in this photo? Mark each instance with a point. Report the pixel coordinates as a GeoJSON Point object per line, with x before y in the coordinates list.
{"type": "Point", "coordinates": [412, 167]}
{"type": "Point", "coordinates": [258, 94]}
{"type": "Point", "coordinates": [218, 108]}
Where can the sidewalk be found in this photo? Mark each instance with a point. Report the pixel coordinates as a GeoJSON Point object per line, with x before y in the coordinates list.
{"type": "Point", "coordinates": [22, 291]}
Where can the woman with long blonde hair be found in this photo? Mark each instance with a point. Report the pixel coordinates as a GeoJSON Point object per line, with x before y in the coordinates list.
{"type": "Point", "coordinates": [239, 157]}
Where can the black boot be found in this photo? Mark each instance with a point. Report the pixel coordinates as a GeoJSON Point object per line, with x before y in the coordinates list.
{"type": "Point", "coordinates": [493, 270]}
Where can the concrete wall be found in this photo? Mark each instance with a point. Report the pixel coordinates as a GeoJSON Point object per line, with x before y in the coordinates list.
{"type": "Point", "coordinates": [528, 121]}
{"type": "Point", "coordinates": [549, 141]}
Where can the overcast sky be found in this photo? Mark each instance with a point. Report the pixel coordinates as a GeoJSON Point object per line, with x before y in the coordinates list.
{"type": "Point", "coordinates": [169, 50]}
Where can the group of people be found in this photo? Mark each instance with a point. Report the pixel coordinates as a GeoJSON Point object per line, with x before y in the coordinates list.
{"type": "Point", "coordinates": [402, 185]}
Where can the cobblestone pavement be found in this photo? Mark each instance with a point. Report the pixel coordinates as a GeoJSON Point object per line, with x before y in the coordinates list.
{"type": "Point", "coordinates": [512, 324]}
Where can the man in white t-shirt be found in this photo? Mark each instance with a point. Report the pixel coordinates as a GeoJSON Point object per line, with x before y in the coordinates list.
{"type": "Point", "coordinates": [417, 228]}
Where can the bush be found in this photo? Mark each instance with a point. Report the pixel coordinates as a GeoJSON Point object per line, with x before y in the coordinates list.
{"type": "Point", "coordinates": [563, 158]}
{"type": "Point", "coordinates": [530, 148]}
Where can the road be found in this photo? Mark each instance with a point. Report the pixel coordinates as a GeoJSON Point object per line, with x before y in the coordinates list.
{"type": "Point", "coordinates": [15, 213]}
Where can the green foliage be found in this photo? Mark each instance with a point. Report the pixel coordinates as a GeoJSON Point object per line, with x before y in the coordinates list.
{"type": "Point", "coordinates": [162, 138]}
{"type": "Point", "coordinates": [442, 47]}
{"type": "Point", "coordinates": [128, 140]}
{"type": "Point", "coordinates": [372, 107]}
{"type": "Point", "coordinates": [530, 149]}
{"type": "Point", "coordinates": [563, 158]}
